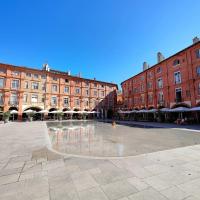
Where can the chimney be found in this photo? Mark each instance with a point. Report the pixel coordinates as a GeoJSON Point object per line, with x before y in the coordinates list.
{"type": "Point", "coordinates": [46, 67]}
{"type": "Point", "coordinates": [160, 57]}
{"type": "Point", "coordinates": [195, 40]}
{"type": "Point", "coordinates": [79, 74]}
{"type": "Point", "coordinates": [145, 66]}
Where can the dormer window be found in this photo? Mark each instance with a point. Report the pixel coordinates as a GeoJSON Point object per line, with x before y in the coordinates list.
{"type": "Point", "coordinates": [176, 62]}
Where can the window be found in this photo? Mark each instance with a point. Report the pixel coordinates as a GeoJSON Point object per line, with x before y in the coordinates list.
{"type": "Point", "coordinates": [66, 101]}
{"type": "Point", "coordinates": [159, 70]}
{"type": "Point", "coordinates": [15, 73]}
{"type": "Point", "coordinates": [178, 95]}
{"type": "Point", "coordinates": [55, 78]}
{"type": "Point", "coordinates": [95, 93]}
{"type": "Point", "coordinates": [25, 98]}
{"type": "Point", "coordinates": [142, 88]}
{"type": "Point", "coordinates": [15, 84]}
{"type": "Point", "coordinates": [54, 88]}
{"type": "Point", "coordinates": [176, 62]}
{"type": "Point", "coordinates": [77, 102]}
{"type": "Point", "coordinates": [150, 75]}
{"type": "Point", "coordinates": [43, 76]}
{"type": "Point", "coordinates": [1, 82]}
{"type": "Point", "coordinates": [198, 53]}
{"type": "Point", "coordinates": [34, 98]}
{"type": "Point", "coordinates": [142, 78]}
{"type": "Point", "coordinates": [66, 81]}
{"type": "Point", "coordinates": [43, 86]}
{"type": "Point", "coordinates": [95, 85]}
{"type": "Point", "coordinates": [43, 98]}
{"type": "Point", "coordinates": [35, 86]}
{"type": "Point", "coordinates": [2, 71]}
{"type": "Point", "coordinates": [87, 83]}
{"type": "Point", "coordinates": [142, 98]}
{"type": "Point", "coordinates": [53, 101]}
{"type": "Point", "coordinates": [150, 98]}
{"type": "Point", "coordinates": [13, 99]}
{"type": "Point", "coordinates": [102, 93]}
{"type": "Point", "coordinates": [188, 93]}
{"type": "Point", "coordinates": [149, 85]}
{"type": "Point", "coordinates": [198, 88]}
{"type": "Point", "coordinates": [1, 99]}
{"type": "Point", "coordinates": [26, 85]}
{"type": "Point", "coordinates": [77, 91]}
{"type": "Point", "coordinates": [177, 77]}
{"type": "Point", "coordinates": [35, 76]}
{"type": "Point", "coordinates": [102, 86]}
{"type": "Point", "coordinates": [160, 97]}
{"type": "Point", "coordinates": [198, 71]}
{"type": "Point", "coordinates": [86, 103]}
{"type": "Point", "coordinates": [66, 89]}
{"type": "Point", "coordinates": [160, 83]}
{"type": "Point", "coordinates": [87, 92]}
{"type": "Point", "coordinates": [76, 82]}
{"type": "Point", "coordinates": [28, 74]}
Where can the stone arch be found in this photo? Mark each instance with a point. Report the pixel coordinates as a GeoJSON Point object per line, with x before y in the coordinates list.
{"type": "Point", "coordinates": [160, 107]}
{"type": "Point", "coordinates": [76, 109]}
{"type": "Point", "coordinates": [13, 108]}
{"type": "Point", "coordinates": [35, 108]}
{"type": "Point", "coordinates": [181, 105]}
{"type": "Point", "coordinates": [150, 107]}
{"type": "Point", "coordinates": [52, 109]}
{"type": "Point", "coordinates": [66, 109]}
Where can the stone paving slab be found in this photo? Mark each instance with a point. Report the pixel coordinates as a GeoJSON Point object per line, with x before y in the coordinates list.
{"type": "Point", "coordinates": [28, 170]}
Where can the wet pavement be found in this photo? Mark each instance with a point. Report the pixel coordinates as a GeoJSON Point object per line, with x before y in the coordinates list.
{"type": "Point", "coordinates": [29, 169]}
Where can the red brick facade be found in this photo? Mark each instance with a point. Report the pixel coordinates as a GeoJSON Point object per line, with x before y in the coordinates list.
{"type": "Point", "coordinates": [22, 88]}
{"type": "Point", "coordinates": [174, 81]}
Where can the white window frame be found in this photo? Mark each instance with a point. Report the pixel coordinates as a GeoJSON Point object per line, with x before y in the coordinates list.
{"type": "Point", "coordinates": [179, 77]}
{"type": "Point", "coordinates": [16, 86]}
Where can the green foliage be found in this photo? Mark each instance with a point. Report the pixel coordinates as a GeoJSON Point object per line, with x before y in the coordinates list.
{"type": "Point", "coordinates": [6, 115]}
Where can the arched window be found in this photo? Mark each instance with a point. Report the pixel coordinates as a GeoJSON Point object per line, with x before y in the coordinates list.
{"type": "Point", "coordinates": [176, 62]}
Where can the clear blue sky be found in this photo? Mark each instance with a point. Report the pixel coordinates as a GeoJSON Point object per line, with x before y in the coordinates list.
{"type": "Point", "coordinates": [106, 39]}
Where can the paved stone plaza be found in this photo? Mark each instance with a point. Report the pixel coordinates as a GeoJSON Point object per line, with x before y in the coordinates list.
{"type": "Point", "coordinates": [29, 170]}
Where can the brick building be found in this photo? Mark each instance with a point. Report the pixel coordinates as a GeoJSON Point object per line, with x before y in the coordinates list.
{"type": "Point", "coordinates": [22, 88]}
{"type": "Point", "coordinates": [172, 82]}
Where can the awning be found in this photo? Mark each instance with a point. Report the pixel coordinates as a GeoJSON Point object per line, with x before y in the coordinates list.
{"type": "Point", "coordinates": [180, 109]}
{"type": "Point", "coordinates": [165, 109]}
{"type": "Point", "coordinates": [43, 111]}
{"type": "Point", "coordinates": [13, 112]}
{"type": "Point", "coordinates": [142, 111]}
{"type": "Point", "coordinates": [29, 111]}
{"type": "Point", "coordinates": [152, 111]}
{"type": "Point", "coordinates": [56, 111]}
{"type": "Point", "coordinates": [195, 109]}
{"type": "Point", "coordinates": [69, 112]}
